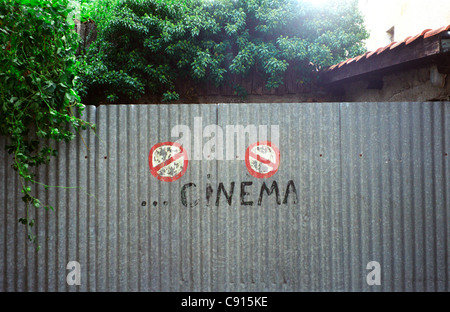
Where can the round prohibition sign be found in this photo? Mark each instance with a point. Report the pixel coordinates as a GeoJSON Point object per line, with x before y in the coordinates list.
{"type": "Point", "coordinates": [168, 161]}
{"type": "Point", "coordinates": [262, 159]}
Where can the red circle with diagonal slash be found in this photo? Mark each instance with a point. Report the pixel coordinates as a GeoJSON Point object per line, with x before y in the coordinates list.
{"type": "Point", "coordinates": [267, 162]}
{"type": "Point", "coordinates": [155, 169]}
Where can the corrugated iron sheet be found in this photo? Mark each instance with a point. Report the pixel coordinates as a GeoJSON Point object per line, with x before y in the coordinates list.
{"type": "Point", "coordinates": [371, 181]}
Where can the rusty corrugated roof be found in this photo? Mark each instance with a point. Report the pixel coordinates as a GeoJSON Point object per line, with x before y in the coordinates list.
{"type": "Point", "coordinates": [427, 33]}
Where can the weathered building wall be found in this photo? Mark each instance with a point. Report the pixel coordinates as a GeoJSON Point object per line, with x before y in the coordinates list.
{"type": "Point", "coordinates": [414, 84]}
{"type": "Point", "coordinates": [248, 89]}
{"type": "Point", "coordinates": [403, 17]}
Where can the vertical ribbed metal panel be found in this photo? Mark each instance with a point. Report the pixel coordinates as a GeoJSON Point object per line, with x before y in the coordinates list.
{"type": "Point", "coordinates": [371, 182]}
{"type": "Point", "coordinates": [395, 193]}
{"type": "Point", "coordinates": [284, 247]}
{"type": "Point", "coordinates": [65, 234]}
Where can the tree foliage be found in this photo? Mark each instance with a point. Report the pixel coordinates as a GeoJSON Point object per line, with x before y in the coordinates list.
{"type": "Point", "coordinates": [38, 101]}
{"type": "Point", "coordinates": [145, 46]}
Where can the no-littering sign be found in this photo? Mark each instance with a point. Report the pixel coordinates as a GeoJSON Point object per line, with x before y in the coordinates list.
{"type": "Point", "coordinates": [168, 161]}
{"type": "Point", "coordinates": [262, 159]}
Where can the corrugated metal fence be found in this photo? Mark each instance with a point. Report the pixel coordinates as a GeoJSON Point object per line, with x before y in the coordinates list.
{"type": "Point", "coordinates": [358, 182]}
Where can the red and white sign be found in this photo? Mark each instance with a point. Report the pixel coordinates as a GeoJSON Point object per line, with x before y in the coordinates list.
{"type": "Point", "coordinates": [262, 159]}
{"type": "Point", "coordinates": [168, 161]}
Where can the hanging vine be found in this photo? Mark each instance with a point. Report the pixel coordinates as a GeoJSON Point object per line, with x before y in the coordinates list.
{"type": "Point", "coordinates": [37, 75]}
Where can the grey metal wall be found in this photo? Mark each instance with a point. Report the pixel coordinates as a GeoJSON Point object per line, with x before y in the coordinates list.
{"type": "Point", "coordinates": [372, 182]}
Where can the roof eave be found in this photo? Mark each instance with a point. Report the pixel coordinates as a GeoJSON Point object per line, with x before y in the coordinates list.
{"type": "Point", "coordinates": [406, 53]}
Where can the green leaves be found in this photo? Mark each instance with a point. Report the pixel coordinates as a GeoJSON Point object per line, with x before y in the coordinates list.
{"type": "Point", "coordinates": [170, 97]}
{"type": "Point", "coordinates": [149, 46]}
{"type": "Point", "coordinates": [37, 66]}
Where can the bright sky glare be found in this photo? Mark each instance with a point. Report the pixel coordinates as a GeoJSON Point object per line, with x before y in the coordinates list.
{"type": "Point", "coordinates": [317, 2]}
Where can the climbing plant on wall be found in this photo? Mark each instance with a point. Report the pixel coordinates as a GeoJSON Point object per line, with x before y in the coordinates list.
{"type": "Point", "coordinates": [38, 102]}
{"type": "Point", "coordinates": [143, 46]}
